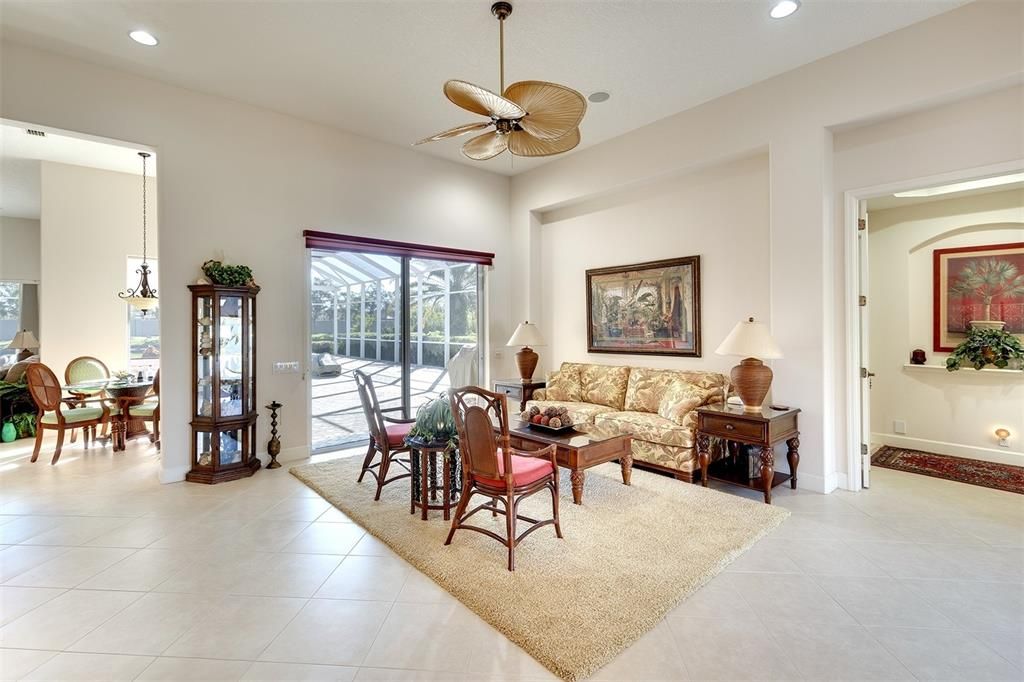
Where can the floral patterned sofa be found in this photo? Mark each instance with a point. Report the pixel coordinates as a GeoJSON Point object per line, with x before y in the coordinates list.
{"type": "Point", "coordinates": [655, 406]}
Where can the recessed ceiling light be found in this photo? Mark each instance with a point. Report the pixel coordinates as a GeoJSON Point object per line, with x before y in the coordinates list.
{"type": "Point", "coordinates": [599, 96]}
{"type": "Point", "coordinates": [783, 8]}
{"type": "Point", "coordinates": [963, 186]}
{"type": "Point", "coordinates": [143, 37]}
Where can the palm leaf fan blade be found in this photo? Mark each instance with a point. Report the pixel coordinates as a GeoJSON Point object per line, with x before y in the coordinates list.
{"type": "Point", "coordinates": [552, 110]}
{"type": "Point", "coordinates": [454, 132]}
{"type": "Point", "coordinates": [522, 143]}
{"type": "Point", "coordinates": [485, 146]}
{"type": "Point", "coordinates": [481, 100]}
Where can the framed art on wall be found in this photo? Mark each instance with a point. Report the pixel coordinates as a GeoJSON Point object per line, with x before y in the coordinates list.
{"type": "Point", "coordinates": [983, 285]}
{"type": "Point", "coordinates": [645, 308]}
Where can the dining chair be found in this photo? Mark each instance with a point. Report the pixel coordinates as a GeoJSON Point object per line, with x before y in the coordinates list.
{"type": "Point", "coordinates": [491, 467]}
{"type": "Point", "coordinates": [86, 368]}
{"type": "Point", "coordinates": [56, 413]}
{"type": "Point", "coordinates": [387, 437]}
{"type": "Point", "coordinates": [149, 410]}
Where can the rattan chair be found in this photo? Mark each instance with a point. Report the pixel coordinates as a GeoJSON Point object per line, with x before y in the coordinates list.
{"type": "Point", "coordinates": [387, 437]}
{"type": "Point", "coordinates": [86, 368]}
{"type": "Point", "coordinates": [58, 414]}
{"type": "Point", "coordinates": [500, 473]}
{"type": "Point", "coordinates": [149, 410]}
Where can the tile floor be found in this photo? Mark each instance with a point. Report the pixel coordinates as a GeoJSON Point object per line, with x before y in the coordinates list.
{"type": "Point", "coordinates": [107, 575]}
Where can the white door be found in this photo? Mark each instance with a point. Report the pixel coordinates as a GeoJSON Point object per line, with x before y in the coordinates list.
{"type": "Point", "coordinates": [865, 372]}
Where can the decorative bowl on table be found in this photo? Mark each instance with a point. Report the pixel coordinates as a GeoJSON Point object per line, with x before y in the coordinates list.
{"type": "Point", "coordinates": [550, 420]}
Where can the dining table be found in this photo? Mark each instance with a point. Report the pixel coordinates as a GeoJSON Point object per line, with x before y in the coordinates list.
{"type": "Point", "coordinates": [122, 394]}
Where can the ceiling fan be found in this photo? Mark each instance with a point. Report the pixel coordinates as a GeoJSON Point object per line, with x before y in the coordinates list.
{"type": "Point", "coordinates": [530, 118]}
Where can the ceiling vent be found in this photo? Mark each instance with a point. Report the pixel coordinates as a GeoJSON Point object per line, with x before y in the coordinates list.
{"type": "Point", "coordinates": [37, 133]}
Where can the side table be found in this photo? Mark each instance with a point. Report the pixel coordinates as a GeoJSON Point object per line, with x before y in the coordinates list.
{"type": "Point", "coordinates": [516, 389]}
{"type": "Point", "coordinates": [733, 424]}
{"type": "Point", "coordinates": [425, 485]}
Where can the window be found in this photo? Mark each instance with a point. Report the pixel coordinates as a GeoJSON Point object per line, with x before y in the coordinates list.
{"type": "Point", "coordinates": [10, 319]}
{"type": "Point", "coordinates": [143, 328]}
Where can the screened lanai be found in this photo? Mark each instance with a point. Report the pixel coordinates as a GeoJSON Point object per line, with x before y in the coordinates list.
{"type": "Point", "coordinates": [357, 324]}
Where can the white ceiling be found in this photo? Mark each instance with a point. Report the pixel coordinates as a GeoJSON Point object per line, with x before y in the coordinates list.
{"type": "Point", "coordinates": [376, 68]}
{"type": "Point", "coordinates": [20, 154]}
{"type": "Point", "coordinates": [891, 201]}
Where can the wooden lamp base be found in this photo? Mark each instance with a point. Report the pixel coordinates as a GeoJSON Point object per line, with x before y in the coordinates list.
{"type": "Point", "coordinates": [526, 361]}
{"type": "Point", "coordinates": [751, 379]}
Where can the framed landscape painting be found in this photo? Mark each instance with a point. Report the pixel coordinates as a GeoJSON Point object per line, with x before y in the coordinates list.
{"type": "Point", "coordinates": [973, 283]}
{"type": "Point", "coordinates": [645, 308]}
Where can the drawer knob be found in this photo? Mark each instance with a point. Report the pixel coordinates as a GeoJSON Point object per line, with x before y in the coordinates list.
{"type": "Point", "coordinates": [730, 427]}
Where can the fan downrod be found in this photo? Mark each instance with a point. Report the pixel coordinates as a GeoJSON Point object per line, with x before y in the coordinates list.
{"type": "Point", "coordinates": [501, 10]}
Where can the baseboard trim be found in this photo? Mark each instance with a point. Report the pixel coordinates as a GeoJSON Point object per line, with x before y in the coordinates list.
{"type": "Point", "coordinates": [1000, 456]}
{"type": "Point", "coordinates": [294, 454]}
{"type": "Point", "coordinates": [814, 483]}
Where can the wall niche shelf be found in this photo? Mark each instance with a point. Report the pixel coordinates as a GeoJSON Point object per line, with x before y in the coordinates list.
{"type": "Point", "coordinates": [969, 370]}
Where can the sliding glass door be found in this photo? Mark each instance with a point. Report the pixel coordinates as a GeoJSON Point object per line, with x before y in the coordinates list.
{"type": "Point", "coordinates": [362, 305]}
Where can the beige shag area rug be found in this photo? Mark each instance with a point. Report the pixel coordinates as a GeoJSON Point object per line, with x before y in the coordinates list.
{"type": "Point", "coordinates": [629, 555]}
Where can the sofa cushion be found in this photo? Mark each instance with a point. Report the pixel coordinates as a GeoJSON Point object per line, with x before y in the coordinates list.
{"type": "Point", "coordinates": [580, 413]}
{"type": "Point", "coordinates": [652, 428]}
{"type": "Point", "coordinates": [680, 399]}
{"type": "Point", "coordinates": [604, 385]}
{"type": "Point", "coordinates": [565, 384]}
{"type": "Point", "coordinates": [16, 373]}
{"type": "Point", "coordinates": [646, 388]}
{"type": "Point", "coordinates": [669, 456]}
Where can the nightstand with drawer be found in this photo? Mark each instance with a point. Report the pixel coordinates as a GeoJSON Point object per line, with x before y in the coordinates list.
{"type": "Point", "coordinates": [761, 430]}
{"type": "Point", "coordinates": [517, 391]}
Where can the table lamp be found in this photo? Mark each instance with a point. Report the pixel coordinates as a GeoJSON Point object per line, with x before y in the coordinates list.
{"type": "Point", "coordinates": [751, 341]}
{"type": "Point", "coordinates": [526, 335]}
{"type": "Point", "coordinates": [25, 341]}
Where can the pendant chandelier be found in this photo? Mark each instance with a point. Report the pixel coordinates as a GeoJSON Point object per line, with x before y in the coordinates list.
{"type": "Point", "coordinates": [142, 297]}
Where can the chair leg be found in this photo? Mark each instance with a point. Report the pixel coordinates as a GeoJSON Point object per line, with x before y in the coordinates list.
{"type": "Point", "coordinates": [39, 441]}
{"type": "Point", "coordinates": [60, 445]}
{"type": "Point", "coordinates": [459, 511]}
{"type": "Point", "coordinates": [382, 473]}
{"type": "Point", "coordinates": [74, 434]}
{"type": "Point", "coordinates": [85, 437]}
{"type": "Point", "coordinates": [510, 525]}
{"type": "Point", "coordinates": [366, 461]}
{"type": "Point", "coordinates": [156, 433]}
{"type": "Point", "coordinates": [554, 508]}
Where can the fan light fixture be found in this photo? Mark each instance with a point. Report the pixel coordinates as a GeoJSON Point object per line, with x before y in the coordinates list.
{"type": "Point", "coordinates": [530, 118]}
{"type": "Point", "coordinates": [142, 297]}
{"type": "Point", "coordinates": [783, 8]}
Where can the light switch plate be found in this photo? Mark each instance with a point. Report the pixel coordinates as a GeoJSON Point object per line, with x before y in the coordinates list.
{"type": "Point", "coordinates": [291, 367]}
{"type": "Point", "coordinates": [899, 426]}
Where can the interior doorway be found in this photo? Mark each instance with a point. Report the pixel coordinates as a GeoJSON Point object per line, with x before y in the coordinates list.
{"type": "Point", "coordinates": [413, 324]}
{"type": "Point", "coordinates": [927, 262]}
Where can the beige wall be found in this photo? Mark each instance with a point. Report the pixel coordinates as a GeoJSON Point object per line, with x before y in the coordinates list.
{"type": "Point", "coordinates": [19, 249]}
{"type": "Point", "coordinates": [971, 50]}
{"type": "Point", "coordinates": [244, 182]}
{"type": "Point", "coordinates": [710, 212]}
{"type": "Point", "coordinates": [90, 223]}
{"type": "Point", "coordinates": [951, 413]}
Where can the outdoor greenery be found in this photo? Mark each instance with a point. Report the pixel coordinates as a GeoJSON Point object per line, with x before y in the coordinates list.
{"type": "Point", "coordinates": [986, 347]}
{"type": "Point", "coordinates": [358, 305]}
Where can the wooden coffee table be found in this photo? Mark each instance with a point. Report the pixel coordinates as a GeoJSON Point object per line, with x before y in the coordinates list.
{"type": "Point", "coordinates": [578, 450]}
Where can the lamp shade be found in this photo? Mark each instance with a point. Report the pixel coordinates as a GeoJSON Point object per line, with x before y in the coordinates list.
{"type": "Point", "coordinates": [24, 340]}
{"type": "Point", "coordinates": [526, 334]}
{"type": "Point", "coordinates": [750, 339]}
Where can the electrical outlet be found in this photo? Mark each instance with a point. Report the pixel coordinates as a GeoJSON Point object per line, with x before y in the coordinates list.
{"type": "Point", "coordinates": [286, 367]}
{"type": "Point", "coordinates": [899, 426]}
{"type": "Point", "coordinates": [498, 355]}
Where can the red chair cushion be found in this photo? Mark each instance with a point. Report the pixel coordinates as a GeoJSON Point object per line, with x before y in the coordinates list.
{"type": "Point", "coordinates": [525, 470]}
{"type": "Point", "coordinates": [397, 434]}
